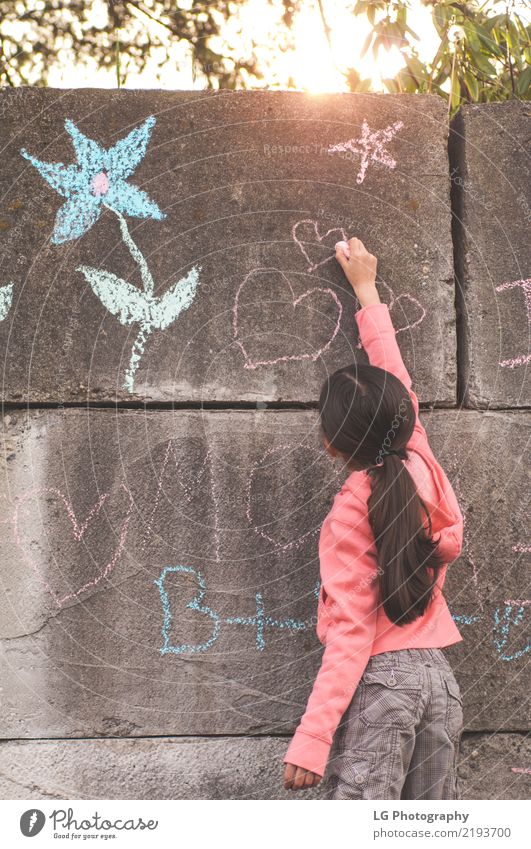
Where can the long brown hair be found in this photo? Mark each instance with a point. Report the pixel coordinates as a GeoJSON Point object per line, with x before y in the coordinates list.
{"type": "Point", "coordinates": [365, 412]}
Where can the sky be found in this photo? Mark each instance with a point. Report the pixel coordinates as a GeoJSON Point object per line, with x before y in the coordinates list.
{"type": "Point", "coordinates": [306, 62]}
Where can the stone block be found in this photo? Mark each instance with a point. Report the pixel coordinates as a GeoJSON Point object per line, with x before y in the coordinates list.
{"type": "Point", "coordinates": [160, 569]}
{"type": "Point", "coordinates": [491, 177]}
{"type": "Point", "coordinates": [254, 200]}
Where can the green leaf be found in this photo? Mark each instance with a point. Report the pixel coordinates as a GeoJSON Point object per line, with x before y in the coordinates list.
{"type": "Point", "coordinates": [471, 84]}
{"type": "Point", "coordinates": [523, 83]}
{"type": "Point", "coordinates": [127, 303]}
{"type": "Point", "coordinates": [484, 65]}
{"type": "Point", "coordinates": [513, 39]}
{"type": "Point", "coordinates": [165, 310]}
{"type": "Point", "coordinates": [488, 40]}
{"type": "Point", "coordinates": [6, 298]}
{"type": "Point", "coordinates": [440, 51]}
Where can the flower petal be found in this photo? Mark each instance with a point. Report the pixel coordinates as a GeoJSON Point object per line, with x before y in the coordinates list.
{"type": "Point", "coordinates": [75, 217]}
{"type": "Point", "coordinates": [65, 179]}
{"type": "Point", "coordinates": [130, 200]}
{"type": "Point", "coordinates": [90, 155]}
{"type": "Point", "coordinates": [122, 159]}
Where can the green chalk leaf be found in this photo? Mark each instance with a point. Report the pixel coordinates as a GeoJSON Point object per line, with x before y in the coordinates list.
{"type": "Point", "coordinates": [124, 301]}
{"type": "Point", "coordinates": [166, 309]}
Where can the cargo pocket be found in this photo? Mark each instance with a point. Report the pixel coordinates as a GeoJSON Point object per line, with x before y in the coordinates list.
{"type": "Point", "coordinates": [353, 772]}
{"type": "Point", "coordinates": [390, 697]}
{"type": "Point", "coordinates": [453, 722]}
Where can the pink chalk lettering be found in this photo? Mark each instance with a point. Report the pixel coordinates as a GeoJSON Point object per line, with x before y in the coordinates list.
{"type": "Point", "coordinates": [525, 286]}
{"type": "Point", "coordinates": [78, 534]}
{"type": "Point", "coordinates": [370, 147]}
{"type": "Point", "coordinates": [257, 528]}
{"type": "Point", "coordinates": [250, 280]}
{"type": "Point", "coordinates": [313, 246]}
{"type": "Point", "coordinates": [188, 489]}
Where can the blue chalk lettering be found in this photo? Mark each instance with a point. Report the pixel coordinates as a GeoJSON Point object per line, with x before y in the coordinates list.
{"type": "Point", "coordinates": [502, 625]}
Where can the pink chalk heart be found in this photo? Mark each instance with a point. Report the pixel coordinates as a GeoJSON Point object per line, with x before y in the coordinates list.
{"type": "Point", "coordinates": [279, 316]}
{"type": "Point", "coordinates": [318, 248]}
{"type": "Point", "coordinates": [406, 312]}
{"type": "Point", "coordinates": [35, 498]}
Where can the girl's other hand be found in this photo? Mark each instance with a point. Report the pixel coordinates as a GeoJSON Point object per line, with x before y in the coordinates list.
{"type": "Point", "coordinates": [297, 778]}
{"type": "Point", "coordinates": [360, 271]}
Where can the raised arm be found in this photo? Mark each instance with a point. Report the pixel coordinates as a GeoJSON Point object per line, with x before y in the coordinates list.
{"type": "Point", "coordinates": [377, 333]}
{"type": "Point", "coordinates": [378, 338]}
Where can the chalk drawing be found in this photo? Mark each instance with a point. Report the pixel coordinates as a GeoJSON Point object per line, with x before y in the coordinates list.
{"type": "Point", "coordinates": [78, 531]}
{"type": "Point", "coordinates": [521, 548]}
{"type": "Point", "coordinates": [525, 286]}
{"type": "Point", "coordinates": [295, 302]}
{"type": "Point", "coordinates": [188, 489]}
{"type": "Point", "coordinates": [510, 617]}
{"type": "Point", "coordinates": [260, 621]}
{"type": "Point", "coordinates": [523, 769]}
{"type": "Point", "coordinates": [6, 298]}
{"type": "Point", "coordinates": [196, 604]}
{"type": "Point", "coordinates": [370, 147]}
{"type": "Point", "coordinates": [99, 180]}
{"type": "Point", "coordinates": [317, 239]}
{"type": "Point", "coordinates": [465, 620]}
{"type": "Point", "coordinates": [248, 495]}
{"type": "Point", "coordinates": [396, 308]}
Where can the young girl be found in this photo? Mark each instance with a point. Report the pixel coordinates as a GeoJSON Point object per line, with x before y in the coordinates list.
{"type": "Point", "coordinates": [385, 714]}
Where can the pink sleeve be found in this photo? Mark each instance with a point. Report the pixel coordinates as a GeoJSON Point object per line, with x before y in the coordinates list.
{"type": "Point", "coordinates": [378, 337]}
{"type": "Point", "coordinates": [351, 590]}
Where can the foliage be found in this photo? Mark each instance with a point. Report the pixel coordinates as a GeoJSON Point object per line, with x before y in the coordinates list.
{"type": "Point", "coordinates": [481, 56]}
{"type": "Point", "coordinates": [119, 36]}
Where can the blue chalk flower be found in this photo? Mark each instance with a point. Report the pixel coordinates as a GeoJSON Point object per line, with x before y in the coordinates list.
{"type": "Point", "coordinates": [98, 178]}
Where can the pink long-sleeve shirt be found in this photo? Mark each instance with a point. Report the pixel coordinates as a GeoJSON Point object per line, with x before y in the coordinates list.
{"type": "Point", "coordinates": [350, 623]}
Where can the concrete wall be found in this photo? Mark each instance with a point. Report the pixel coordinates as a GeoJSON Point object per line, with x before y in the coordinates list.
{"type": "Point", "coordinates": [162, 480]}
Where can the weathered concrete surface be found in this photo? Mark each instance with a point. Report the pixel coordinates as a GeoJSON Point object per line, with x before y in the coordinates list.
{"type": "Point", "coordinates": [235, 172]}
{"type": "Point", "coordinates": [97, 504]}
{"type": "Point", "coordinates": [490, 767]}
{"type": "Point", "coordinates": [492, 175]}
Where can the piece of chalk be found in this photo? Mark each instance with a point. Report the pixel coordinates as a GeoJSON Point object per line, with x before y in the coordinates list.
{"type": "Point", "coordinates": [344, 247]}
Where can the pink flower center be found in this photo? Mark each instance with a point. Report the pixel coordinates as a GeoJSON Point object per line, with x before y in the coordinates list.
{"type": "Point", "coordinates": [100, 184]}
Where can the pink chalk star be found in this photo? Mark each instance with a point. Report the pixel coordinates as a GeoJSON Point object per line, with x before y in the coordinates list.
{"type": "Point", "coordinates": [370, 146]}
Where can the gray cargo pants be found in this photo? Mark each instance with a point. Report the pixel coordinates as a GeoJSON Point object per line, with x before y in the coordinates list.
{"type": "Point", "coordinates": [399, 737]}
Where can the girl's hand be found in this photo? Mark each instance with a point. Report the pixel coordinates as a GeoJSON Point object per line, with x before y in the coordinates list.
{"type": "Point", "coordinates": [360, 271]}
{"type": "Point", "coordinates": [297, 778]}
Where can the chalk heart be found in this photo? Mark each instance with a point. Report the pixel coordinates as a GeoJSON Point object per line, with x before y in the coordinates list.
{"type": "Point", "coordinates": [266, 296]}
{"type": "Point", "coordinates": [29, 512]}
{"type": "Point", "coordinates": [318, 248]}
{"type": "Point", "coordinates": [406, 312]}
